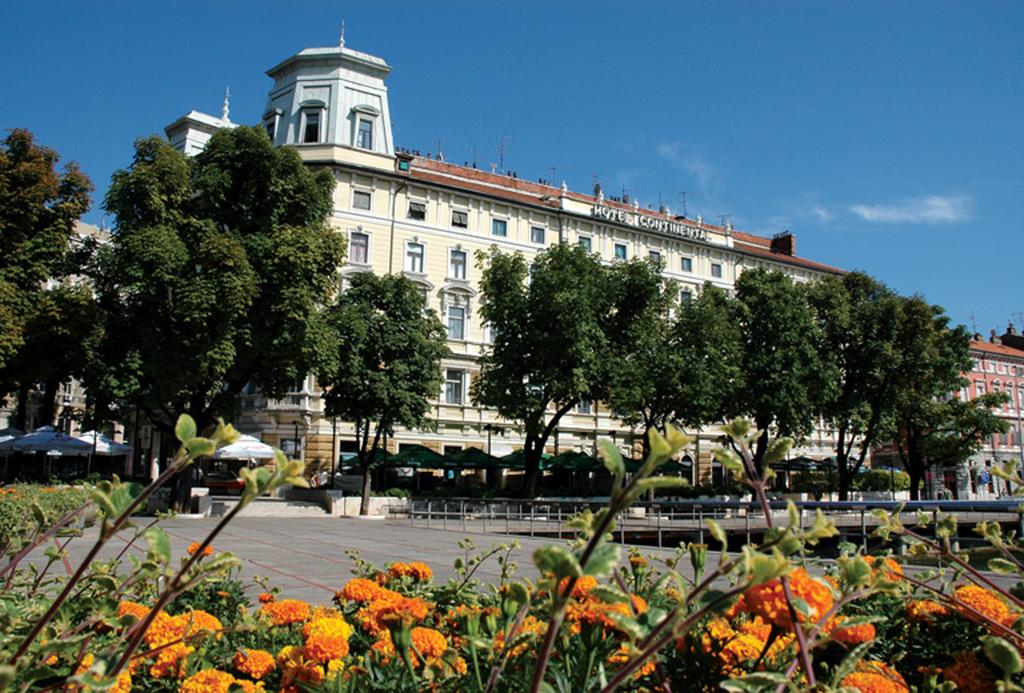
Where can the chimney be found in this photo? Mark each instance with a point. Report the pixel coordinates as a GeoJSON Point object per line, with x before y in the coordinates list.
{"type": "Point", "coordinates": [784, 242]}
{"type": "Point", "coordinates": [992, 337]}
{"type": "Point", "coordinates": [1012, 338]}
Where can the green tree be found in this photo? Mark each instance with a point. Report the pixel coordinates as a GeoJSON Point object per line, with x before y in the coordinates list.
{"type": "Point", "coordinates": [38, 209]}
{"type": "Point", "coordinates": [858, 323]}
{"type": "Point", "coordinates": [218, 275]}
{"type": "Point", "coordinates": [784, 379]}
{"type": "Point", "coordinates": [930, 428]}
{"type": "Point", "coordinates": [683, 370]}
{"type": "Point", "coordinates": [387, 368]}
{"type": "Point", "coordinates": [549, 346]}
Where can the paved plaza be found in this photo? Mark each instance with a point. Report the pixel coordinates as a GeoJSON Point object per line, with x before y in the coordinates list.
{"type": "Point", "coordinates": [305, 557]}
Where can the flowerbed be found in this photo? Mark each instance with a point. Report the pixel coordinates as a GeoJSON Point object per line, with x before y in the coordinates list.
{"type": "Point", "coordinates": [21, 502]}
{"type": "Point", "coordinates": [588, 618]}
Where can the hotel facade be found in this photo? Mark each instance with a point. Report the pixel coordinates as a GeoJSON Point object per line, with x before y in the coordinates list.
{"type": "Point", "coordinates": [425, 218]}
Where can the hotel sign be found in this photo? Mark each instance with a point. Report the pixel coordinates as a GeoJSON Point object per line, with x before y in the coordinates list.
{"type": "Point", "coordinates": [642, 221]}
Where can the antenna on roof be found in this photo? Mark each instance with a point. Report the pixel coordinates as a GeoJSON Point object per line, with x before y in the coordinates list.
{"type": "Point", "coordinates": [974, 325]}
{"type": "Point", "coordinates": [725, 218]}
{"type": "Point", "coordinates": [682, 200]}
{"type": "Point", "coordinates": [501, 152]}
{"type": "Point", "coordinates": [552, 169]}
{"type": "Point", "coordinates": [440, 149]}
{"type": "Point", "coordinates": [474, 150]}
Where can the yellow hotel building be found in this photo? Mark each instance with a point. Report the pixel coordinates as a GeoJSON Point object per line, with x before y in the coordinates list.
{"type": "Point", "coordinates": [425, 218]}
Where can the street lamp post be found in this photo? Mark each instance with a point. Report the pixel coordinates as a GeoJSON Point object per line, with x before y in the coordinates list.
{"type": "Point", "coordinates": [295, 441]}
{"type": "Point", "coordinates": [334, 448]}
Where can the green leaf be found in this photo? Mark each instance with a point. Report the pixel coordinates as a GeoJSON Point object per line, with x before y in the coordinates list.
{"type": "Point", "coordinates": [609, 595]}
{"type": "Point", "coordinates": [200, 447]}
{"type": "Point", "coordinates": [660, 482]}
{"type": "Point", "coordinates": [38, 514]}
{"type": "Point", "coordinates": [660, 447]}
{"type": "Point", "coordinates": [612, 458]}
{"type": "Point", "coordinates": [556, 560]}
{"type": "Point", "coordinates": [757, 681]}
{"type": "Point", "coordinates": [1002, 654]}
{"type": "Point", "coordinates": [717, 532]}
{"type": "Point", "coordinates": [777, 450]}
{"type": "Point", "coordinates": [603, 560]}
{"type": "Point", "coordinates": [1001, 565]}
{"type": "Point", "coordinates": [850, 661]}
{"type": "Point", "coordinates": [856, 571]}
{"type": "Point", "coordinates": [185, 429]}
{"type": "Point", "coordinates": [159, 544]}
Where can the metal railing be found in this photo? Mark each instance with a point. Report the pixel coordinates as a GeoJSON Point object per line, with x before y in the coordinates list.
{"type": "Point", "coordinates": [665, 523]}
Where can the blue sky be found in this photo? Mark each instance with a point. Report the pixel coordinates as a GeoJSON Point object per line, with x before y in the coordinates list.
{"type": "Point", "coordinates": [886, 136]}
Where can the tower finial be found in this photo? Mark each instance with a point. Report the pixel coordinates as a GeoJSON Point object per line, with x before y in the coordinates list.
{"type": "Point", "coordinates": [226, 111]}
{"type": "Point", "coordinates": [341, 35]}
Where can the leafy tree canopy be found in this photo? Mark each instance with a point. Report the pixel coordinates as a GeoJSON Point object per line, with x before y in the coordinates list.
{"type": "Point", "coordinates": [38, 209]}
{"type": "Point", "coordinates": [218, 275]}
{"type": "Point", "coordinates": [387, 365]}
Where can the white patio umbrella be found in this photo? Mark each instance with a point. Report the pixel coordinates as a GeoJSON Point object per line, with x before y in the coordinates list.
{"type": "Point", "coordinates": [102, 445]}
{"type": "Point", "coordinates": [49, 440]}
{"type": "Point", "coordinates": [245, 448]}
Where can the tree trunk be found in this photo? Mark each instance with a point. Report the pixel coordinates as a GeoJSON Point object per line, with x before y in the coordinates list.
{"type": "Point", "coordinates": [915, 482]}
{"type": "Point", "coordinates": [845, 477]}
{"type": "Point", "coordinates": [532, 452]}
{"type": "Point", "coordinates": [364, 505]}
{"type": "Point", "coordinates": [21, 411]}
{"type": "Point", "coordinates": [48, 407]}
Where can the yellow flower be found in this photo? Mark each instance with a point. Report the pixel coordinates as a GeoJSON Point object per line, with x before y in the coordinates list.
{"type": "Point", "coordinates": [926, 611]}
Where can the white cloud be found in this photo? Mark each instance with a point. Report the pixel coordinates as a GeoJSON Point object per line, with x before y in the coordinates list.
{"type": "Point", "coordinates": [675, 153]}
{"type": "Point", "coordinates": [820, 213]}
{"type": "Point", "coordinates": [934, 209]}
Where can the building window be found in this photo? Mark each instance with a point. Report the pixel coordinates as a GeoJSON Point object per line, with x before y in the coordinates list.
{"type": "Point", "coordinates": [271, 125]}
{"type": "Point", "coordinates": [620, 251]}
{"type": "Point", "coordinates": [655, 256]}
{"type": "Point", "coordinates": [414, 258]}
{"type": "Point", "coordinates": [584, 242]}
{"type": "Point", "coordinates": [686, 264]}
{"type": "Point", "coordinates": [425, 295]}
{"type": "Point", "coordinates": [499, 227]}
{"type": "Point", "coordinates": [456, 322]}
{"type": "Point", "coordinates": [716, 270]}
{"type": "Point", "coordinates": [364, 137]}
{"type": "Point", "coordinates": [311, 127]}
{"type": "Point", "coordinates": [584, 407]}
{"type": "Point", "coordinates": [417, 211]}
{"type": "Point", "coordinates": [457, 264]}
{"type": "Point", "coordinates": [454, 384]}
{"type": "Point", "coordinates": [360, 199]}
{"type": "Point", "coordinates": [979, 388]}
{"type": "Point", "coordinates": [359, 247]}
{"type": "Point", "coordinates": [685, 297]}
{"type": "Point", "coordinates": [460, 219]}
{"type": "Point", "coordinates": [537, 234]}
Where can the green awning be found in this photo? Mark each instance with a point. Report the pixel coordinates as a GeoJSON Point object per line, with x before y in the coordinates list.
{"type": "Point", "coordinates": [473, 458]}
{"type": "Point", "coordinates": [576, 461]}
{"type": "Point", "coordinates": [418, 456]}
{"type": "Point", "coordinates": [517, 460]}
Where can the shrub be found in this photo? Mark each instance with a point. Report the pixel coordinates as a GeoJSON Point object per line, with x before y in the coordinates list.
{"type": "Point", "coordinates": [881, 480]}
{"type": "Point", "coordinates": [47, 504]}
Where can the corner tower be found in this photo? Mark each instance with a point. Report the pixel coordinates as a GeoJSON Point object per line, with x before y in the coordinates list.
{"type": "Point", "coordinates": [330, 96]}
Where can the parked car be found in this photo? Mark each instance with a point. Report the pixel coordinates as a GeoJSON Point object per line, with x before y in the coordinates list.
{"type": "Point", "coordinates": [223, 482]}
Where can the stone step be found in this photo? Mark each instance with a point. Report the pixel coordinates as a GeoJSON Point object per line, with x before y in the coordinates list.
{"type": "Point", "coordinates": [268, 507]}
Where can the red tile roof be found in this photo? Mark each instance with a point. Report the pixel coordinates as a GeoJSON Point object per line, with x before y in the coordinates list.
{"type": "Point", "coordinates": [528, 192]}
{"type": "Point", "coordinates": [989, 347]}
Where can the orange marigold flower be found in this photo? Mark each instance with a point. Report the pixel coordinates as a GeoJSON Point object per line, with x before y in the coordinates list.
{"type": "Point", "coordinates": [875, 677]}
{"type": "Point", "coordinates": [286, 611]}
{"type": "Point", "coordinates": [360, 590]}
{"type": "Point", "coordinates": [254, 663]}
{"type": "Point", "coordinates": [192, 622]}
{"type": "Point", "coordinates": [582, 587]}
{"type": "Point", "coordinates": [133, 608]}
{"type": "Point", "coordinates": [850, 635]}
{"type": "Point", "coordinates": [970, 674]}
{"type": "Point", "coordinates": [194, 546]}
{"type": "Point", "coordinates": [297, 667]}
{"type": "Point", "coordinates": [530, 625]}
{"type": "Point", "coordinates": [403, 611]}
{"type": "Point", "coordinates": [429, 642]}
{"type": "Point", "coordinates": [208, 681]}
{"type": "Point", "coordinates": [623, 655]}
{"type": "Point", "coordinates": [984, 602]}
{"type": "Point", "coordinates": [639, 603]}
{"type": "Point", "coordinates": [334, 626]}
{"type": "Point", "coordinates": [926, 611]}
{"type": "Point", "coordinates": [417, 570]}
{"type": "Point", "coordinates": [768, 600]}
{"type": "Point", "coordinates": [266, 598]}
{"type": "Point", "coordinates": [637, 561]}
{"type": "Point", "coordinates": [170, 661]}
{"type": "Point", "coordinates": [892, 570]}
